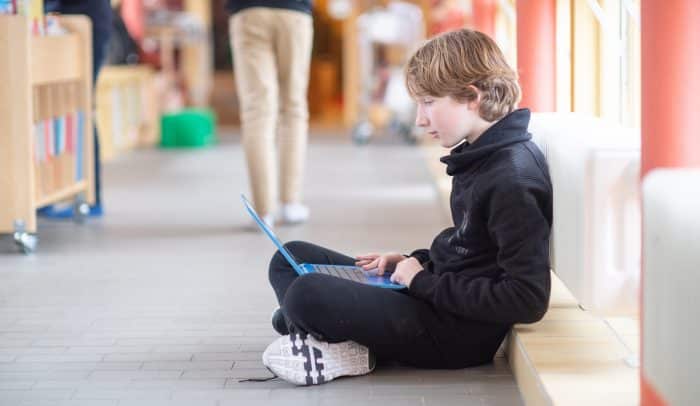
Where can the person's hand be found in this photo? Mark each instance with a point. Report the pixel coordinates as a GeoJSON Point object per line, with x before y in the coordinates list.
{"type": "Point", "coordinates": [405, 271]}
{"type": "Point", "coordinates": [381, 262]}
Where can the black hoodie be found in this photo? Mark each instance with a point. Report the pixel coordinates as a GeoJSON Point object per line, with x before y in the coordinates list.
{"type": "Point", "coordinates": [493, 265]}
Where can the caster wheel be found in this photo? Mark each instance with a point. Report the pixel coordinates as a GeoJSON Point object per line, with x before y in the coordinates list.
{"type": "Point", "coordinates": [81, 210]}
{"type": "Point", "coordinates": [362, 133]}
{"type": "Point", "coordinates": [24, 241]}
{"type": "Point", "coordinates": [402, 131]}
{"type": "Point", "coordinates": [406, 132]}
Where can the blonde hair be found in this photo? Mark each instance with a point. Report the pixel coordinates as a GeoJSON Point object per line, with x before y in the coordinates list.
{"type": "Point", "coordinates": [449, 64]}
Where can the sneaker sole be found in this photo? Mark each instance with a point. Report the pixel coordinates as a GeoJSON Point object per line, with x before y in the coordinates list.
{"type": "Point", "coordinates": [305, 361]}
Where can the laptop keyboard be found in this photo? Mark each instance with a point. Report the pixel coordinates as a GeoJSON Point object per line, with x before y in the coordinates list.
{"type": "Point", "coordinates": [344, 272]}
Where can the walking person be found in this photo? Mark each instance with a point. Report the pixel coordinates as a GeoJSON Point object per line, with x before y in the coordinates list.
{"type": "Point", "coordinates": [271, 42]}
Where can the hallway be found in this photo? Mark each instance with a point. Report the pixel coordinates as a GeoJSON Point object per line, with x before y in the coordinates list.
{"type": "Point", "coordinates": [165, 301]}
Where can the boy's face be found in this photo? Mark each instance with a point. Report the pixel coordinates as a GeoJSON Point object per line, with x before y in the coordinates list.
{"type": "Point", "coordinates": [446, 119]}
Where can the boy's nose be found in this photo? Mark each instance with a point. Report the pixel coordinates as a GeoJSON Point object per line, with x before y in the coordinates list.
{"type": "Point", "coordinates": [421, 120]}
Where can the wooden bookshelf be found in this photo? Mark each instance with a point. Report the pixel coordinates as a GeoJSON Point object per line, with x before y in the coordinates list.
{"type": "Point", "coordinates": [47, 92]}
{"type": "Point", "coordinates": [127, 113]}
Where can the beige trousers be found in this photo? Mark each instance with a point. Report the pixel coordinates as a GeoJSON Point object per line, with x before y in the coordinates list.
{"type": "Point", "coordinates": [271, 53]}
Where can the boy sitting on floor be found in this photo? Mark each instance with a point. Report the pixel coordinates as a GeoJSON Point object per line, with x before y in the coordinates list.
{"type": "Point", "coordinates": [481, 276]}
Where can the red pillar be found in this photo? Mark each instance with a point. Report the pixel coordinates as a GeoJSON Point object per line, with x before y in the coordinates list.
{"type": "Point", "coordinates": [536, 21]}
{"type": "Point", "coordinates": [670, 84]}
{"type": "Point", "coordinates": [670, 88]}
{"type": "Point", "coordinates": [484, 12]}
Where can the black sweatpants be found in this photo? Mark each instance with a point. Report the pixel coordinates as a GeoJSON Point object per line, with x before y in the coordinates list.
{"type": "Point", "coordinates": [392, 324]}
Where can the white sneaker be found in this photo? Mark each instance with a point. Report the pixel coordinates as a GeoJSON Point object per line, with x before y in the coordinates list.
{"type": "Point", "coordinates": [294, 213]}
{"type": "Point", "coordinates": [303, 360]}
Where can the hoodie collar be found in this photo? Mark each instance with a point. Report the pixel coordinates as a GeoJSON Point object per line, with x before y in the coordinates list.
{"type": "Point", "coordinates": [511, 129]}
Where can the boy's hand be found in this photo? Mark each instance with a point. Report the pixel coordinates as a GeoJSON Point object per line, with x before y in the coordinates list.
{"type": "Point", "coordinates": [405, 271]}
{"type": "Point", "coordinates": [381, 262]}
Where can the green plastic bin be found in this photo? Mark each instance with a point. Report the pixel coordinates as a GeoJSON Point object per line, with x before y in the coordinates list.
{"type": "Point", "coordinates": [190, 128]}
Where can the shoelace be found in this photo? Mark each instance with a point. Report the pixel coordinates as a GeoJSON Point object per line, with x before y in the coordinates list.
{"type": "Point", "coordinates": [258, 379]}
{"type": "Point", "coordinates": [274, 376]}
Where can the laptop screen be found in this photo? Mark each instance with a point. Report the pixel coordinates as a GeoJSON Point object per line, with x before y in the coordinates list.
{"type": "Point", "coordinates": [288, 255]}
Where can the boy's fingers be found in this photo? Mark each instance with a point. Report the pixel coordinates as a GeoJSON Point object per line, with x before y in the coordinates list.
{"type": "Point", "coordinates": [381, 266]}
{"type": "Point", "coordinates": [370, 265]}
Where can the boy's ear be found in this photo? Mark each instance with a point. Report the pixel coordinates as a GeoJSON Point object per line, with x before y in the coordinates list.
{"type": "Point", "coordinates": [474, 104]}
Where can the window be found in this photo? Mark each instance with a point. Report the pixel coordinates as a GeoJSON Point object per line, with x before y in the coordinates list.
{"type": "Point", "coordinates": [631, 69]}
{"type": "Point", "coordinates": [598, 58]}
{"type": "Point", "coordinates": [505, 33]}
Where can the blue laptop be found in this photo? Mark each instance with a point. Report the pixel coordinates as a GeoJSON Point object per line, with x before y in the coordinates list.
{"type": "Point", "coordinates": [351, 272]}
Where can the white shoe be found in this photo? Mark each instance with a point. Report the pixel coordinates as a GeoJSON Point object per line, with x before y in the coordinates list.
{"type": "Point", "coordinates": [302, 360]}
{"type": "Point", "coordinates": [294, 213]}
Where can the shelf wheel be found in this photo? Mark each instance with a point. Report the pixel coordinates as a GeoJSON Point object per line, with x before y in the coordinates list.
{"type": "Point", "coordinates": [81, 210]}
{"type": "Point", "coordinates": [25, 242]}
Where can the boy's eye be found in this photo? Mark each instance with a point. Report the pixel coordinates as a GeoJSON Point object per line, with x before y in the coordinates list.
{"type": "Point", "coordinates": [429, 101]}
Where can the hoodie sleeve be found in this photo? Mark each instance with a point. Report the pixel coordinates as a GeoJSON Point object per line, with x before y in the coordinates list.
{"type": "Point", "coordinates": [422, 255]}
{"type": "Point", "coordinates": [518, 215]}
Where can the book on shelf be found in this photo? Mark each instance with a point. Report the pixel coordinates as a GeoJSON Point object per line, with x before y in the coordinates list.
{"type": "Point", "coordinates": [58, 137]}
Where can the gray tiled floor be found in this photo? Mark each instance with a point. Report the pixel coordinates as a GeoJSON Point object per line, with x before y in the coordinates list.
{"type": "Point", "coordinates": [165, 301]}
